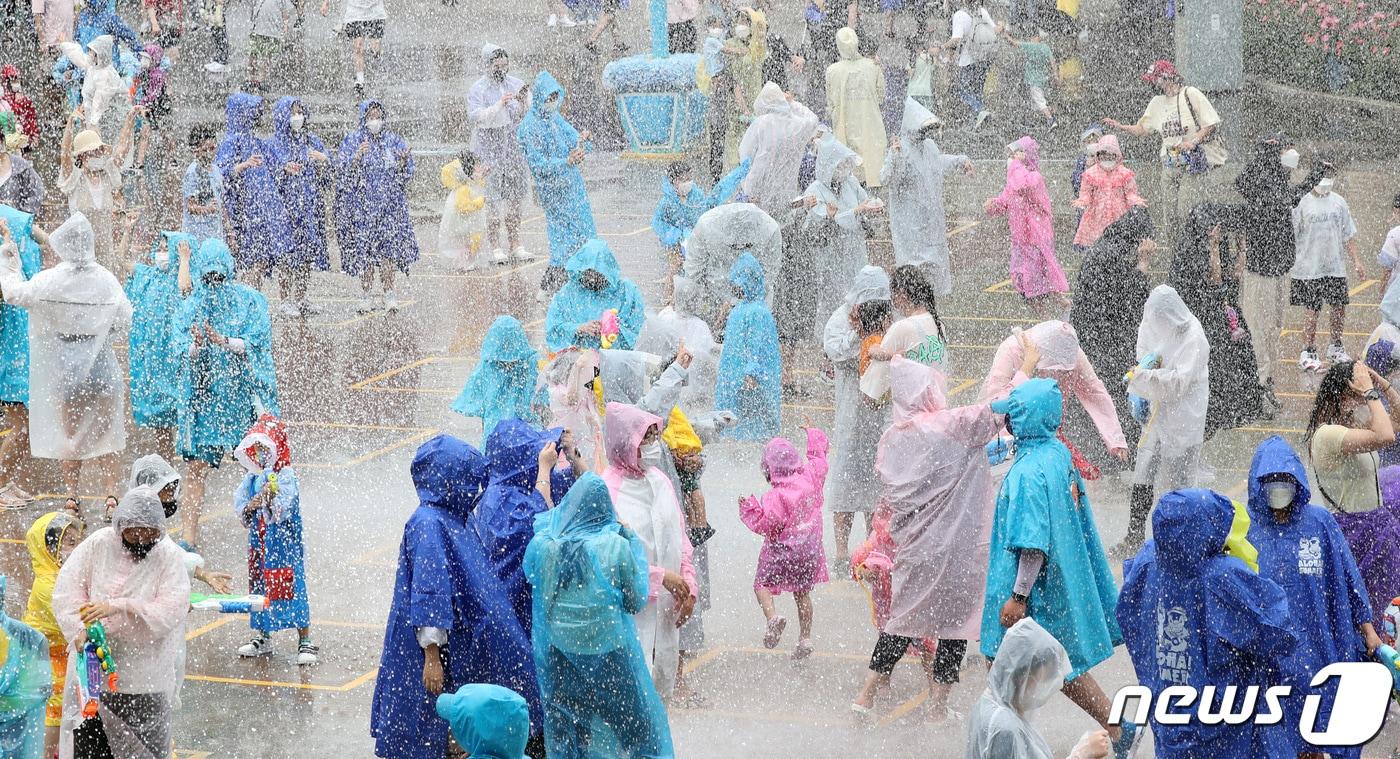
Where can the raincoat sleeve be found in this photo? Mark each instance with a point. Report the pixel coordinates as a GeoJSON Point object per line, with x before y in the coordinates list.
{"type": "Point", "coordinates": [560, 324]}
{"type": "Point", "coordinates": [1172, 381]}
{"type": "Point", "coordinates": [665, 393]}
{"type": "Point", "coordinates": [70, 590]}
{"type": "Point", "coordinates": [1019, 179]}
{"type": "Point", "coordinates": [1250, 613]}
{"type": "Point", "coordinates": [1028, 513]}
{"type": "Point", "coordinates": [1087, 187]}
{"type": "Point", "coordinates": [846, 219]}
{"type": "Point", "coordinates": [1005, 373]}
{"type": "Point", "coordinates": [161, 613]}
{"type": "Point", "coordinates": [426, 549]}
{"type": "Point", "coordinates": [632, 581]}
{"type": "Point", "coordinates": [16, 289]}
{"type": "Point", "coordinates": [543, 163]}
{"type": "Point", "coordinates": [817, 448]}
{"type": "Point", "coordinates": [656, 574]}
{"type": "Point", "coordinates": [631, 314]}
{"type": "Point", "coordinates": [839, 340]}
{"type": "Point", "coordinates": [670, 235]}
{"type": "Point", "coordinates": [948, 161]}
{"type": "Point", "coordinates": [896, 170]}
{"type": "Point", "coordinates": [725, 188]}
{"type": "Point", "coordinates": [1094, 397]}
{"type": "Point", "coordinates": [764, 516]}
{"type": "Point", "coordinates": [974, 426]}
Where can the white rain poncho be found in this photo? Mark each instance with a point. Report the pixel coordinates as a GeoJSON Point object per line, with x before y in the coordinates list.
{"type": "Point", "coordinates": [146, 633]}
{"type": "Point", "coordinates": [77, 394]}
{"type": "Point", "coordinates": [1180, 388]}
{"type": "Point", "coordinates": [1029, 669]}
{"type": "Point", "coordinates": [913, 178]}
{"type": "Point", "coordinates": [775, 142]}
{"type": "Point", "coordinates": [152, 471]}
{"type": "Point", "coordinates": [662, 333]}
{"type": "Point", "coordinates": [852, 484]}
{"type": "Point", "coordinates": [720, 235]}
{"type": "Point", "coordinates": [836, 245]}
{"type": "Point", "coordinates": [104, 90]}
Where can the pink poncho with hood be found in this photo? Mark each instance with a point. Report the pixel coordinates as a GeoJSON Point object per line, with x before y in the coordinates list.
{"type": "Point", "coordinates": [646, 501]}
{"type": "Point", "coordinates": [1026, 203]}
{"type": "Point", "coordinates": [938, 486]}
{"type": "Point", "coordinates": [1105, 194]}
{"type": "Point", "coordinates": [789, 516]}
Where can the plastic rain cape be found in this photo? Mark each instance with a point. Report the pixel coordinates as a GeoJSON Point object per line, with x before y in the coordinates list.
{"type": "Point", "coordinates": [154, 292]}
{"type": "Point", "coordinates": [25, 685]}
{"type": "Point", "coordinates": [1029, 669]}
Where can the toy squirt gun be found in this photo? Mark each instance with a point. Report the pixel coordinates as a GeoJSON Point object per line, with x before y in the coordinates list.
{"type": "Point", "coordinates": [228, 604]}
{"type": "Point", "coordinates": [95, 667]}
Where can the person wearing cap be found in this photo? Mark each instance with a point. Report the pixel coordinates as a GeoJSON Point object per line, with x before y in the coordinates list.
{"type": "Point", "coordinates": [130, 577]}
{"type": "Point", "coordinates": [1323, 228]}
{"type": "Point", "coordinates": [90, 177]}
{"type": "Point", "coordinates": [488, 721]}
{"type": "Point", "coordinates": [1186, 120]}
{"type": "Point", "coordinates": [496, 104]}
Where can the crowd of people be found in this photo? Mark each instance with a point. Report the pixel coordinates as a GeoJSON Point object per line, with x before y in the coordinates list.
{"type": "Point", "coordinates": [554, 580]}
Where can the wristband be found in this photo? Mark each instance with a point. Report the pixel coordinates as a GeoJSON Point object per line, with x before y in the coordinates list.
{"type": "Point", "coordinates": [1020, 599]}
{"type": "Point", "coordinates": [1373, 394]}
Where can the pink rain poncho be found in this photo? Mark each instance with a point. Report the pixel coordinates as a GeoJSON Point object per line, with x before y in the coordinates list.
{"type": "Point", "coordinates": [647, 502]}
{"type": "Point", "coordinates": [1105, 194]}
{"type": "Point", "coordinates": [1034, 269]}
{"type": "Point", "coordinates": [938, 485]}
{"type": "Point", "coordinates": [789, 516]}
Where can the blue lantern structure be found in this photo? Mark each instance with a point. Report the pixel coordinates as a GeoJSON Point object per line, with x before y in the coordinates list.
{"type": "Point", "coordinates": [658, 99]}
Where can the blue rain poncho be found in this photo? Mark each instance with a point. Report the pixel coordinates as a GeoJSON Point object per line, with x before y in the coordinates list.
{"type": "Point", "coordinates": [575, 305]}
{"type": "Point", "coordinates": [589, 575]}
{"type": "Point", "coordinates": [503, 382]}
{"type": "Point", "coordinates": [488, 721]}
{"type": "Point", "coordinates": [1308, 557]}
{"type": "Point", "coordinates": [750, 351]}
{"type": "Point", "coordinates": [675, 217]}
{"type": "Point", "coordinates": [154, 292]}
{"type": "Point", "coordinates": [99, 17]}
{"type": "Point", "coordinates": [252, 198]}
{"type": "Point", "coordinates": [301, 192]}
{"type": "Point", "coordinates": [505, 519]}
{"type": "Point", "coordinates": [371, 200]}
{"type": "Point", "coordinates": [223, 390]}
{"type": "Point", "coordinates": [1043, 506]}
{"type": "Point", "coordinates": [25, 685]}
{"type": "Point", "coordinates": [546, 138]}
{"type": "Point", "coordinates": [444, 581]}
{"type": "Point", "coordinates": [1192, 615]}
{"type": "Point", "coordinates": [14, 321]}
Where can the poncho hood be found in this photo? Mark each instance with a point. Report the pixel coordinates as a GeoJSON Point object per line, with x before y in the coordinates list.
{"type": "Point", "coordinates": [449, 474]}
{"type": "Point", "coordinates": [1029, 669]}
{"type": "Point", "coordinates": [154, 472]}
{"type": "Point", "coordinates": [781, 459]}
{"type": "Point", "coordinates": [1058, 343]}
{"type": "Point", "coordinates": [365, 105]}
{"type": "Point", "coordinates": [213, 257]}
{"type": "Point", "coordinates": [513, 449]}
{"type": "Point", "coordinates": [1190, 526]}
{"type": "Point", "coordinates": [870, 283]}
{"type": "Point", "coordinates": [488, 721]}
{"type": "Point", "coordinates": [848, 44]}
{"type": "Point", "coordinates": [597, 256]}
{"type": "Point", "coordinates": [74, 242]}
{"type": "Point", "coordinates": [831, 154]}
{"type": "Point", "coordinates": [1109, 144]}
{"type": "Point", "coordinates": [916, 389]}
{"type": "Point", "coordinates": [488, 53]}
{"type": "Point", "coordinates": [544, 86]}
{"type": "Point", "coordinates": [101, 49]}
{"type": "Point", "coordinates": [1165, 321]}
{"type": "Point", "coordinates": [747, 276]}
{"type": "Point", "coordinates": [271, 433]}
{"type": "Point", "coordinates": [1275, 457]}
{"type": "Point", "coordinates": [282, 118]}
{"type": "Point", "coordinates": [140, 507]}
{"type": "Point", "coordinates": [1033, 409]}
{"type": "Point", "coordinates": [623, 430]}
{"type": "Point", "coordinates": [771, 99]}
{"type": "Point", "coordinates": [506, 341]}
{"type": "Point", "coordinates": [241, 112]}
{"type": "Point", "coordinates": [1032, 150]}
{"type": "Point", "coordinates": [915, 118]}
{"type": "Point", "coordinates": [44, 539]}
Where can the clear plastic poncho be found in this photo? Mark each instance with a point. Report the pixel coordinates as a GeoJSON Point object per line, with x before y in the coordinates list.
{"type": "Point", "coordinates": [25, 685]}
{"type": "Point", "coordinates": [1030, 668]}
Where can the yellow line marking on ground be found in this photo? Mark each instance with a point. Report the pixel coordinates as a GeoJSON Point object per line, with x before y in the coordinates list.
{"type": "Point", "coordinates": [1291, 331]}
{"type": "Point", "coordinates": [1018, 320]}
{"type": "Point", "coordinates": [390, 373]}
{"type": "Point", "coordinates": [908, 706]}
{"type": "Point", "coordinates": [704, 658]}
{"type": "Point", "coordinates": [344, 426]}
{"type": "Point", "coordinates": [361, 680]}
{"type": "Point", "coordinates": [410, 440]}
{"type": "Point", "coordinates": [16, 541]}
{"type": "Point", "coordinates": [961, 386]}
{"type": "Point", "coordinates": [1363, 287]}
{"type": "Point", "coordinates": [185, 753]}
{"type": "Point", "coordinates": [998, 287]}
{"type": "Point", "coordinates": [1275, 430]}
{"type": "Point", "coordinates": [806, 407]}
{"type": "Point", "coordinates": [963, 227]}
{"type": "Point", "coordinates": [264, 683]}
{"type": "Point", "coordinates": [216, 624]}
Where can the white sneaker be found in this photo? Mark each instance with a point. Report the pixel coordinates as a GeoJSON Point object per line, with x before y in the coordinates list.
{"type": "Point", "coordinates": [981, 117]}
{"type": "Point", "coordinates": [1308, 361]}
{"type": "Point", "coordinates": [260, 645]}
{"type": "Point", "coordinates": [521, 254]}
{"type": "Point", "coordinates": [308, 653]}
{"type": "Point", "coordinates": [567, 22]}
{"type": "Point", "coordinates": [1336, 354]}
{"type": "Point", "coordinates": [214, 67]}
{"type": "Point", "coordinates": [390, 302]}
{"type": "Point", "coordinates": [498, 256]}
{"type": "Point", "coordinates": [289, 308]}
{"type": "Point", "coordinates": [552, 21]}
{"type": "Point", "coordinates": [365, 306]}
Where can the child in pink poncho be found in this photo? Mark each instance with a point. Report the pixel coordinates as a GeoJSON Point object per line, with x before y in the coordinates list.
{"type": "Point", "coordinates": [1035, 271]}
{"type": "Point", "coordinates": [1106, 191]}
{"type": "Point", "coordinates": [789, 517]}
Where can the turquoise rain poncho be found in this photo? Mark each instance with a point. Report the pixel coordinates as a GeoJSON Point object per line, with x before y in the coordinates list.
{"type": "Point", "coordinates": [546, 138]}
{"type": "Point", "coordinates": [750, 350]}
{"type": "Point", "coordinates": [575, 305]}
{"type": "Point", "coordinates": [1043, 506]}
{"type": "Point", "coordinates": [25, 686]}
{"type": "Point", "coordinates": [154, 292]}
{"type": "Point", "coordinates": [589, 575]}
{"type": "Point", "coordinates": [488, 721]}
{"type": "Point", "coordinates": [503, 381]}
{"type": "Point", "coordinates": [223, 389]}
{"type": "Point", "coordinates": [14, 321]}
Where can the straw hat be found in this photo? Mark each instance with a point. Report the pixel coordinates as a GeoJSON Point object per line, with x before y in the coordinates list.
{"type": "Point", "coordinates": [86, 142]}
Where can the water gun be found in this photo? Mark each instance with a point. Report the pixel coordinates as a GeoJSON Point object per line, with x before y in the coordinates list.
{"type": "Point", "coordinates": [94, 667]}
{"type": "Point", "coordinates": [1237, 330]}
{"type": "Point", "coordinates": [1149, 361]}
{"type": "Point", "coordinates": [1141, 407]}
{"type": "Point", "coordinates": [998, 451]}
{"type": "Point", "coordinates": [272, 482]}
{"type": "Point", "coordinates": [1391, 659]}
{"type": "Point", "coordinates": [228, 604]}
{"type": "Point", "coordinates": [1390, 620]}
{"type": "Point", "coordinates": [609, 328]}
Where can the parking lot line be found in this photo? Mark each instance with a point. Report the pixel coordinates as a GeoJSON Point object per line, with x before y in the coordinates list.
{"type": "Point", "coordinates": [216, 624]}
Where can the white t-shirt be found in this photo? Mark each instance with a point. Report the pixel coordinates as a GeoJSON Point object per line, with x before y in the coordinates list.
{"type": "Point", "coordinates": [365, 10]}
{"type": "Point", "coordinates": [1321, 226]}
{"type": "Point", "coordinates": [1390, 251]}
{"type": "Point", "coordinates": [1346, 482]}
{"type": "Point", "coordinates": [1170, 116]}
{"type": "Point", "coordinates": [962, 29]}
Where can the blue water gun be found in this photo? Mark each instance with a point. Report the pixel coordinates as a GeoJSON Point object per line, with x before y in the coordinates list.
{"type": "Point", "coordinates": [1141, 407]}
{"type": "Point", "coordinates": [228, 604]}
{"type": "Point", "coordinates": [1391, 659]}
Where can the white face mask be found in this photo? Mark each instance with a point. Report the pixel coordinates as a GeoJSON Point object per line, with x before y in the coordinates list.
{"type": "Point", "coordinates": [14, 86]}
{"type": "Point", "coordinates": [1281, 494]}
{"type": "Point", "coordinates": [716, 32]}
{"type": "Point", "coordinates": [375, 126]}
{"type": "Point", "coordinates": [552, 106]}
{"type": "Point", "coordinates": [651, 455]}
{"type": "Point", "coordinates": [1324, 185]}
{"type": "Point", "coordinates": [1289, 158]}
{"type": "Point", "coordinates": [145, 61]}
{"type": "Point", "coordinates": [683, 189]}
{"type": "Point", "coordinates": [97, 164]}
{"type": "Point", "coordinates": [741, 32]}
{"type": "Point", "coordinates": [297, 121]}
{"type": "Point", "coordinates": [1108, 164]}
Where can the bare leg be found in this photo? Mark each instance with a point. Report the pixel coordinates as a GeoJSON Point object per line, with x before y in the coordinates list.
{"type": "Point", "coordinates": [513, 226]}
{"type": "Point", "coordinates": [874, 681]}
{"type": "Point", "coordinates": [108, 468]}
{"type": "Point", "coordinates": [804, 615]}
{"type": "Point", "coordinates": [194, 503]}
{"type": "Point", "coordinates": [285, 283]}
{"type": "Point", "coordinates": [367, 280]}
{"type": "Point", "coordinates": [357, 58]}
{"type": "Point", "coordinates": [842, 522]}
{"type": "Point", "coordinates": [386, 275]}
{"type": "Point", "coordinates": [301, 280]}
{"type": "Point", "coordinates": [1339, 315]}
{"type": "Point", "coordinates": [765, 602]}
{"type": "Point", "coordinates": [1310, 329]}
{"type": "Point", "coordinates": [1086, 694]}
{"type": "Point", "coordinates": [493, 230]}
{"type": "Point", "coordinates": [14, 449]}
{"type": "Point", "coordinates": [937, 692]}
{"type": "Point", "coordinates": [165, 443]}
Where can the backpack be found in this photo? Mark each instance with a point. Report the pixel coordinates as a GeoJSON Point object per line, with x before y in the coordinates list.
{"type": "Point", "coordinates": [982, 44]}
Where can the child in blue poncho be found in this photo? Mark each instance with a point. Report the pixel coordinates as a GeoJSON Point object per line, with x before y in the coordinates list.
{"type": "Point", "coordinates": [24, 685]}
{"type": "Point", "coordinates": [14, 361]}
{"type": "Point", "coordinates": [750, 369]}
{"type": "Point", "coordinates": [155, 289]}
{"type": "Point", "coordinates": [503, 382]}
{"type": "Point", "coordinates": [269, 503]}
{"type": "Point", "coordinates": [488, 721]}
{"type": "Point", "coordinates": [595, 286]}
{"type": "Point", "coordinates": [682, 204]}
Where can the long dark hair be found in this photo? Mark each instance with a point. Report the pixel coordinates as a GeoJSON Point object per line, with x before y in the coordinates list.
{"type": "Point", "coordinates": [1327, 407]}
{"type": "Point", "coordinates": [911, 283]}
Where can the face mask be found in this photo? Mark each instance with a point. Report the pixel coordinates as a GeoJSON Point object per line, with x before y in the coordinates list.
{"type": "Point", "coordinates": [498, 74]}
{"type": "Point", "coordinates": [684, 188]}
{"type": "Point", "coordinates": [1281, 494]}
{"type": "Point", "coordinates": [297, 121]}
{"type": "Point", "coordinates": [595, 285]}
{"type": "Point", "coordinates": [1107, 164]}
{"type": "Point", "coordinates": [1089, 148]}
{"type": "Point", "coordinates": [741, 32]}
{"type": "Point", "coordinates": [97, 164]}
{"type": "Point", "coordinates": [145, 62]}
{"type": "Point", "coordinates": [170, 508]}
{"type": "Point", "coordinates": [651, 455]}
{"type": "Point", "coordinates": [716, 32]}
{"type": "Point", "coordinates": [1289, 158]}
{"type": "Point", "coordinates": [1324, 186]}
{"type": "Point", "coordinates": [375, 126]}
{"type": "Point", "coordinates": [14, 86]}
{"type": "Point", "coordinates": [138, 550]}
{"type": "Point", "coordinates": [552, 106]}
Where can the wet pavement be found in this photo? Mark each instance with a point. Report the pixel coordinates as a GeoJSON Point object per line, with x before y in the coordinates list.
{"type": "Point", "coordinates": [362, 391]}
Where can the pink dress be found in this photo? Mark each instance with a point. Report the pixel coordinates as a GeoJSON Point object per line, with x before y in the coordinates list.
{"type": "Point", "coordinates": [1105, 195]}
{"type": "Point", "coordinates": [789, 517]}
{"type": "Point", "coordinates": [1025, 201]}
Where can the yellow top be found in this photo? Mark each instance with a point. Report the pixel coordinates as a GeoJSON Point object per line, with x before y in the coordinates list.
{"type": "Point", "coordinates": [470, 196]}
{"type": "Point", "coordinates": [1237, 542]}
{"type": "Point", "coordinates": [40, 613]}
{"type": "Point", "coordinates": [679, 436]}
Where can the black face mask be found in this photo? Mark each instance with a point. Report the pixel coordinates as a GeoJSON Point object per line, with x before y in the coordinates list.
{"type": "Point", "coordinates": [138, 550]}
{"type": "Point", "coordinates": [170, 508]}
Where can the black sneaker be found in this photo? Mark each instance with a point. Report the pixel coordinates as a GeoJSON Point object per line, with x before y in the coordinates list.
{"type": "Point", "coordinates": [308, 653]}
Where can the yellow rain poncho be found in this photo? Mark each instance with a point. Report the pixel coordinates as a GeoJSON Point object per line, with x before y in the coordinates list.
{"type": "Point", "coordinates": [44, 539]}
{"type": "Point", "coordinates": [855, 87]}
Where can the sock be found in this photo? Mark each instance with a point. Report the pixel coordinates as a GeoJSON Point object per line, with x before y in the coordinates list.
{"type": "Point", "coordinates": [359, 77]}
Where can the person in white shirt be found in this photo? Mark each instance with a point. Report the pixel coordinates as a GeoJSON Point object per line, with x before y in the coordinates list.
{"type": "Point", "coordinates": [1322, 229]}
{"type": "Point", "coordinates": [973, 40]}
{"type": "Point", "coordinates": [1389, 260]}
{"type": "Point", "coordinates": [496, 104]}
{"type": "Point", "coordinates": [363, 25]}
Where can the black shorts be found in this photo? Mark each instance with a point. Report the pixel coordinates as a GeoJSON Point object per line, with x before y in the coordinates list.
{"type": "Point", "coordinates": [373, 30]}
{"type": "Point", "coordinates": [1313, 294]}
{"type": "Point", "coordinates": [169, 36]}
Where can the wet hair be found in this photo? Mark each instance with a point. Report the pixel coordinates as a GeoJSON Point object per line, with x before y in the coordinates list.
{"type": "Point", "coordinates": [468, 159]}
{"type": "Point", "coordinates": [874, 316]}
{"type": "Point", "coordinates": [677, 170]}
{"type": "Point", "coordinates": [1396, 202]}
{"type": "Point", "coordinates": [911, 283]}
{"type": "Point", "coordinates": [1331, 391]}
{"type": "Point", "coordinates": [199, 133]}
{"type": "Point", "coordinates": [496, 55]}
